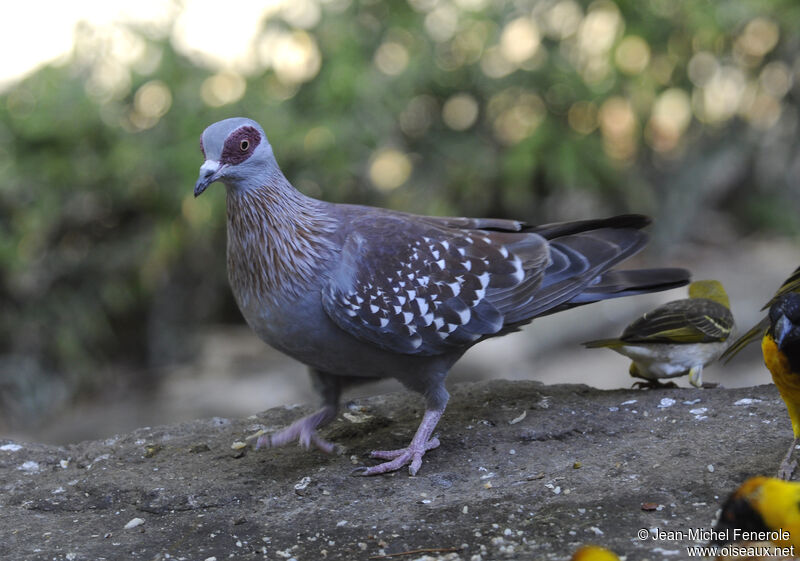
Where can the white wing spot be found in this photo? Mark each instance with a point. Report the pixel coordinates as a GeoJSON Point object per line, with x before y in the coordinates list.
{"type": "Point", "coordinates": [373, 308]}
{"type": "Point", "coordinates": [455, 286]}
{"type": "Point", "coordinates": [384, 322]}
{"type": "Point", "coordinates": [407, 317]}
{"type": "Point", "coordinates": [445, 245]}
{"type": "Point", "coordinates": [484, 279]}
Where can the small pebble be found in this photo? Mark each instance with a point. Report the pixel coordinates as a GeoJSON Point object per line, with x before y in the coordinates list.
{"type": "Point", "coordinates": [666, 402]}
{"type": "Point", "coordinates": [29, 466]}
{"type": "Point", "coordinates": [302, 484]}
{"type": "Point", "coordinates": [11, 447]}
{"type": "Point", "coordinates": [710, 468]}
{"type": "Point", "coordinates": [133, 523]}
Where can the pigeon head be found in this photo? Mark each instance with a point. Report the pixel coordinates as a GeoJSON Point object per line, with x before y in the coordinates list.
{"type": "Point", "coordinates": [236, 152]}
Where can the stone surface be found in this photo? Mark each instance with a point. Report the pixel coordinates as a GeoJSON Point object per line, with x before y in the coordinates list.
{"type": "Point", "coordinates": [525, 471]}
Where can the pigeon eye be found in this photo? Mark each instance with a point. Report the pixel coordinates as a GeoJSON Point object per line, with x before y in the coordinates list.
{"type": "Point", "coordinates": [244, 145]}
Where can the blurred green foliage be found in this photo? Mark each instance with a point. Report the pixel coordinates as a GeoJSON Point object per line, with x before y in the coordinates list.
{"type": "Point", "coordinates": [542, 110]}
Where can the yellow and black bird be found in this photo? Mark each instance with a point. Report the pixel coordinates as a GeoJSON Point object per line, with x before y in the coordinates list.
{"type": "Point", "coordinates": [761, 504]}
{"type": "Point", "coordinates": [594, 553]}
{"type": "Point", "coordinates": [781, 348]}
{"type": "Point", "coordinates": [678, 338]}
{"type": "Point", "coordinates": [792, 284]}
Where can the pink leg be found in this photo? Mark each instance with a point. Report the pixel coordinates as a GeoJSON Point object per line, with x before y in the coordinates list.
{"type": "Point", "coordinates": [421, 443]}
{"type": "Point", "coordinates": [304, 431]}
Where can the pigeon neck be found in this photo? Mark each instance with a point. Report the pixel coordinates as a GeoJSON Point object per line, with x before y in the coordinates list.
{"type": "Point", "coordinates": [277, 240]}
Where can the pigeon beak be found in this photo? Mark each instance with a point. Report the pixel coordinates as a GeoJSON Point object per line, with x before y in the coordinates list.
{"type": "Point", "coordinates": [210, 171]}
{"type": "Point", "coordinates": [782, 328]}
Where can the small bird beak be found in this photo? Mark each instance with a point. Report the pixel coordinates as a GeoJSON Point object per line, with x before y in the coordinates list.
{"type": "Point", "coordinates": [210, 171]}
{"type": "Point", "coordinates": [782, 328]}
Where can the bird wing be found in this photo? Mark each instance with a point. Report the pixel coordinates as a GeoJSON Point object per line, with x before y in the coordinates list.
{"type": "Point", "coordinates": [413, 287]}
{"type": "Point", "coordinates": [791, 284]}
{"type": "Point", "coordinates": [425, 285]}
{"type": "Point", "coordinates": [692, 320]}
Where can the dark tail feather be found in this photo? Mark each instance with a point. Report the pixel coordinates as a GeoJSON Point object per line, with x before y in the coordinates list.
{"type": "Point", "coordinates": [581, 256]}
{"type": "Point", "coordinates": [559, 229]}
{"type": "Point", "coordinates": [575, 260]}
{"type": "Point", "coordinates": [617, 284]}
{"type": "Point", "coordinates": [754, 334]}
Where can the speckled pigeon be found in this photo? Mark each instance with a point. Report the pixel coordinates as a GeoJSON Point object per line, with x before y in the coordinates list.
{"type": "Point", "coordinates": [359, 293]}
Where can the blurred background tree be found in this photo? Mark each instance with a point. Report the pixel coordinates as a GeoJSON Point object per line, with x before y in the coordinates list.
{"type": "Point", "coordinates": [543, 110]}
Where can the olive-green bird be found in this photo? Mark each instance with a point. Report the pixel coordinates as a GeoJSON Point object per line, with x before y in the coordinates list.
{"type": "Point", "coordinates": [755, 333]}
{"type": "Point", "coordinates": [678, 338]}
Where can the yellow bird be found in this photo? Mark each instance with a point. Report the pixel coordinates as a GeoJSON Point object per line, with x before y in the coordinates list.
{"type": "Point", "coordinates": [678, 338]}
{"type": "Point", "coordinates": [781, 348]}
{"type": "Point", "coordinates": [765, 507]}
{"type": "Point", "coordinates": [792, 284]}
{"type": "Point", "coordinates": [594, 553]}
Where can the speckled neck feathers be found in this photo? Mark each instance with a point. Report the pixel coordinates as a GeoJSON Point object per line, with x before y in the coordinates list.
{"type": "Point", "coordinates": [277, 241]}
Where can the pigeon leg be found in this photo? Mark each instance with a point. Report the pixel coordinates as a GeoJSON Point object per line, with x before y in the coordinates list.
{"type": "Point", "coordinates": [421, 443]}
{"type": "Point", "coordinates": [786, 470]}
{"type": "Point", "coordinates": [305, 430]}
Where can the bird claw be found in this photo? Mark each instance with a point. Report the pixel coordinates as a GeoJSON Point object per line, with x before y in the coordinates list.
{"type": "Point", "coordinates": [786, 470]}
{"type": "Point", "coordinates": [400, 457]}
{"type": "Point", "coordinates": [305, 439]}
{"type": "Point", "coordinates": [304, 431]}
{"type": "Point", "coordinates": [653, 385]}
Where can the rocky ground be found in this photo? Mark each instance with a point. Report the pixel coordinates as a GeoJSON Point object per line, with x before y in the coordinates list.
{"type": "Point", "coordinates": [525, 471]}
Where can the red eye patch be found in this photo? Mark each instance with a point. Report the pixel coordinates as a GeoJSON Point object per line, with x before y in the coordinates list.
{"type": "Point", "coordinates": [240, 145]}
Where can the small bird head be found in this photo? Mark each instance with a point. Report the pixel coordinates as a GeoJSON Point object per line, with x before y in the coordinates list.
{"type": "Point", "coordinates": [594, 553]}
{"type": "Point", "coordinates": [710, 290]}
{"type": "Point", "coordinates": [784, 319]}
{"type": "Point", "coordinates": [741, 511]}
{"type": "Point", "coordinates": [237, 153]}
